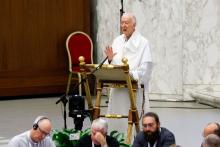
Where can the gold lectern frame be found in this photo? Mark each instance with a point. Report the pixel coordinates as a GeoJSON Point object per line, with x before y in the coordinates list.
{"type": "Point", "coordinates": [105, 75]}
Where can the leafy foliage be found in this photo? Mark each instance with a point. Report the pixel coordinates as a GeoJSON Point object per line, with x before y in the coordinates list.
{"type": "Point", "coordinates": [63, 138]}
{"type": "Point", "coordinates": [120, 137]}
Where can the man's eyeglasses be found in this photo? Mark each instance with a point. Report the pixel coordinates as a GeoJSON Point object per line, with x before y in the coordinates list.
{"type": "Point", "coordinates": [43, 132]}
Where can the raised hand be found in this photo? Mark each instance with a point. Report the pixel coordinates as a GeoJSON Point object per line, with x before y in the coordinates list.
{"type": "Point", "coordinates": [109, 53]}
{"type": "Point", "coordinates": [101, 139]}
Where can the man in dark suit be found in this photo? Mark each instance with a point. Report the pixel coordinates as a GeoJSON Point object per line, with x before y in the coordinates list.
{"type": "Point", "coordinates": [153, 135]}
{"type": "Point", "coordinates": [98, 137]}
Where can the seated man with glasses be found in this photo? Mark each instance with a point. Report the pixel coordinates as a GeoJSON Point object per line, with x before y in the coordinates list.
{"type": "Point", "coordinates": [153, 135]}
{"type": "Point", "coordinates": [37, 136]}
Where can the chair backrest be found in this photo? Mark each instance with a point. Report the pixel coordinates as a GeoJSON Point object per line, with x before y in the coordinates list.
{"type": "Point", "coordinates": [79, 44]}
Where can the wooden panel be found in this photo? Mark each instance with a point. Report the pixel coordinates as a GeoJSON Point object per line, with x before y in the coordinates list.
{"type": "Point", "coordinates": [33, 58]}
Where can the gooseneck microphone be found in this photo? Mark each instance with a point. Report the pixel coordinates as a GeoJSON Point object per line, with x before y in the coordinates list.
{"type": "Point", "coordinates": [100, 65]}
{"type": "Point", "coordinates": [97, 68]}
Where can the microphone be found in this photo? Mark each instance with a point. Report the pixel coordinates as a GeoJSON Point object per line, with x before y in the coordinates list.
{"type": "Point", "coordinates": [100, 65]}
{"type": "Point", "coordinates": [62, 98]}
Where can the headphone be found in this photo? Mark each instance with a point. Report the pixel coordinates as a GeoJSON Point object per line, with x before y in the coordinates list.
{"type": "Point", "coordinates": [37, 120]}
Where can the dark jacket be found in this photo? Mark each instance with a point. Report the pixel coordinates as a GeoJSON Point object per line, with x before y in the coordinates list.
{"type": "Point", "coordinates": [86, 141]}
{"type": "Point", "coordinates": [165, 139]}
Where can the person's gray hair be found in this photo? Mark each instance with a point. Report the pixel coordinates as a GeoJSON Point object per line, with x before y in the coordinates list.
{"type": "Point", "coordinates": [40, 118]}
{"type": "Point", "coordinates": [212, 140]}
{"type": "Point", "coordinates": [100, 124]}
{"type": "Point", "coordinates": [134, 20]}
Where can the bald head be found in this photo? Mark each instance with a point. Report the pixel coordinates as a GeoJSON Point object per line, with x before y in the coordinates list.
{"type": "Point", "coordinates": [211, 128]}
{"type": "Point", "coordinates": [45, 124]}
{"type": "Point", "coordinates": [41, 128]}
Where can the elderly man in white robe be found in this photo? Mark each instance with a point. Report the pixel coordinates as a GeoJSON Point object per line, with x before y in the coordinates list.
{"type": "Point", "coordinates": [133, 46]}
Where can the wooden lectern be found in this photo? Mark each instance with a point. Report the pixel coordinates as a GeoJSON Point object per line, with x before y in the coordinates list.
{"type": "Point", "coordinates": [116, 76]}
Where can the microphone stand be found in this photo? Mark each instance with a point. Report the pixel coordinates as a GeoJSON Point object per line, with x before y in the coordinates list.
{"type": "Point", "coordinates": [121, 11]}
{"type": "Point", "coordinates": [122, 8]}
{"type": "Point", "coordinates": [63, 98]}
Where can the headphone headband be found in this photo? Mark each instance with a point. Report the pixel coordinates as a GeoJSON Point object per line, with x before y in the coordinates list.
{"type": "Point", "coordinates": [37, 120]}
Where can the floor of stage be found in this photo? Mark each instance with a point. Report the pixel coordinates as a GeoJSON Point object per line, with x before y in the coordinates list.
{"type": "Point", "coordinates": [185, 119]}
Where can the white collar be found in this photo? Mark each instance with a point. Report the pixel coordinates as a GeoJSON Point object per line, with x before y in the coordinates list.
{"type": "Point", "coordinates": [133, 42]}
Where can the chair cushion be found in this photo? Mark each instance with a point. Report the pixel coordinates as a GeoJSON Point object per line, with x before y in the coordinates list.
{"type": "Point", "coordinates": [79, 45]}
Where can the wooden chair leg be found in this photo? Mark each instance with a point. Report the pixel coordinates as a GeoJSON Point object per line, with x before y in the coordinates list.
{"type": "Point", "coordinates": [96, 113]}
{"type": "Point", "coordinates": [133, 118]}
{"type": "Point", "coordinates": [129, 132]}
{"type": "Point", "coordinates": [136, 120]}
{"type": "Point", "coordinates": [130, 126]}
{"type": "Point", "coordinates": [68, 83]}
{"type": "Point", "coordinates": [80, 85]}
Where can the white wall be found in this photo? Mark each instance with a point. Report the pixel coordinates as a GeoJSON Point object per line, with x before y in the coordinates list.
{"type": "Point", "coordinates": [185, 41]}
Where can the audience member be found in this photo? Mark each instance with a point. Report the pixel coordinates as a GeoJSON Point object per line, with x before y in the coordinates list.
{"type": "Point", "coordinates": [211, 140]}
{"type": "Point", "coordinates": [37, 136]}
{"type": "Point", "coordinates": [153, 135]}
{"type": "Point", "coordinates": [98, 137]}
{"type": "Point", "coordinates": [212, 128]}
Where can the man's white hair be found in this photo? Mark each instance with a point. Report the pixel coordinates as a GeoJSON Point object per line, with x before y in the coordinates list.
{"type": "Point", "coordinates": [100, 124]}
{"type": "Point", "coordinates": [131, 16]}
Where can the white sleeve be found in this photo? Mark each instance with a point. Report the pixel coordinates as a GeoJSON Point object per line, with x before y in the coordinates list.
{"type": "Point", "coordinates": [142, 73]}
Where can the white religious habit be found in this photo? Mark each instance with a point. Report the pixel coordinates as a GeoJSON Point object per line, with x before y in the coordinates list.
{"type": "Point", "coordinates": [136, 50]}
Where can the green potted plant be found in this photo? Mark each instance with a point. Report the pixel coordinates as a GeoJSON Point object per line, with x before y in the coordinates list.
{"type": "Point", "coordinates": [120, 137]}
{"type": "Point", "coordinates": [69, 137]}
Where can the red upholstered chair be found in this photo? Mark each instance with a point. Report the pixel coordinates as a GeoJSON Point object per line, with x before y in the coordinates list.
{"type": "Point", "coordinates": [78, 44]}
